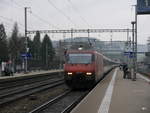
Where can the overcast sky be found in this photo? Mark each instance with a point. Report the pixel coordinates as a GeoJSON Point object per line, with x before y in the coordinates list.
{"type": "Point", "coordinates": [67, 14]}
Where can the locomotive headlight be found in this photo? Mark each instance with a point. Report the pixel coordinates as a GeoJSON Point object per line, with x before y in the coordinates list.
{"type": "Point", "coordinates": [69, 73]}
{"type": "Point", "coordinates": [88, 73]}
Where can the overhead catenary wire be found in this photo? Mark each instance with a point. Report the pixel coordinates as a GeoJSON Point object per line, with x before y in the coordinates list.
{"type": "Point", "coordinates": [11, 20]}
{"type": "Point", "coordinates": [77, 11]}
{"type": "Point", "coordinates": [42, 20]}
{"type": "Point", "coordinates": [61, 12]}
{"type": "Point", "coordinates": [8, 3]}
{"type": "Point", "coordinates": [18, 5]}
{"type": "Point", "coordinates": [7, 26]}
{"type": "Point", "coordinates": [36, 16]}
{"type": "Point", "coordinates": [82, 18]}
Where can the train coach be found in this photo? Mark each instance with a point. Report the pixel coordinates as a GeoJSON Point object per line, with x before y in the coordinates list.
{"type": "Point", "coordinates": [83, 68]}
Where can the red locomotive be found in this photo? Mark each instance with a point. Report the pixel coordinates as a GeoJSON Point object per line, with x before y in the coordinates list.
{"type": "Point", "coordinates": [83, 68]}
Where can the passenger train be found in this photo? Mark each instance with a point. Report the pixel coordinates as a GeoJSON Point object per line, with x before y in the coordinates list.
{"type": "Point", "coordinates": [84, 68]}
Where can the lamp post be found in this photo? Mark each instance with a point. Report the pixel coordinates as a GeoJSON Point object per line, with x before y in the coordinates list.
{"type": "Point", "coordinates": [134, 25]}
{"type": "Point", "coordinates": [133, 51]}
{"type": "Point", "coordinates": [26, 41]}
{"type": "Point", "coordinates": [135, 43]}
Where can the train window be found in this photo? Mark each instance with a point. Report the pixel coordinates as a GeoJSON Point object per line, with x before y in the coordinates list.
{"type": "Point", "coordinates": [80, 58]}
{"type": "Point", "coordinates": [93, 57]}
{"type": "Point", "coordinates": [67, 58]}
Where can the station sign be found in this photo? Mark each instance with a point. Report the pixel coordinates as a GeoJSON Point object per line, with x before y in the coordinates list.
{"type": "Point", "coordinates": [126, 53]}
{"type": "Point", "coordinates": [143, 7]}
{"type": "Point", "coordinates": [28, 55]}
{"type": "Point", "coordinates": [129, 54]}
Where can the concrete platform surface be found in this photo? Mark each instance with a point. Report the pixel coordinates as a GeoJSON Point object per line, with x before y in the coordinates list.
{"type": "Point", "coordinates": [117, 95]}
{"type": "Point", "coordinates": [31, 73]}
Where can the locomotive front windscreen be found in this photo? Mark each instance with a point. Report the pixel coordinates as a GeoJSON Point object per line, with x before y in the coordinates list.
{"type": "Point", "coordinates": [79, 58]}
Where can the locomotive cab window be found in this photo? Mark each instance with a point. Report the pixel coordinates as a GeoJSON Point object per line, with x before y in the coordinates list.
{"type": "Point", "coordinates": [80, 58]}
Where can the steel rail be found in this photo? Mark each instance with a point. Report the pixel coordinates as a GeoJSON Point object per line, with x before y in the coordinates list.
{"type": "Point", "coordinates": [12, 96]}
{"type": "Point", "coordinates": [45, 105]}
{"type": "Point", "coordinates": [57, 99]}
{"type": "Point", "coordinates": [27, 87]}
{"type": "Point", "coordinates": [23, 82]}
{"type": "Point", "coordinates": [73, 104]}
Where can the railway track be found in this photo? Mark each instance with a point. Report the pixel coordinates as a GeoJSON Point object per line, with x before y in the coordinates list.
{"type": "Point", "coordinates": [45, 105]}
{"type": "Point", "coordinates": [15, 83]}
{"type": "Point", "coordinates": [63, 103]}
{"type": "Point", "coordinates": [19, 90]}
{"type": "Point", "coordinates": [73, 104]}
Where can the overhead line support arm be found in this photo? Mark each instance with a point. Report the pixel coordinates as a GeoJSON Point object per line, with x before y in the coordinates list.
{"type": "Point", "coordinates": [80, 31]}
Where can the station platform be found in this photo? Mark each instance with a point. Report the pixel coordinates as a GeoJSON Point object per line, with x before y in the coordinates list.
{"type": "Point", "coordinates": [16, 75]}
{"type": "Point", "coordinates": [117, 95]}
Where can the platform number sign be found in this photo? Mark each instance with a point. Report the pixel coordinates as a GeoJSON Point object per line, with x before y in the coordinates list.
{"type": "Point", "coordinates": [143, 6]}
